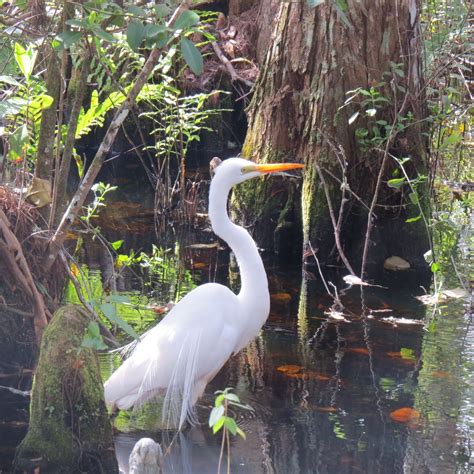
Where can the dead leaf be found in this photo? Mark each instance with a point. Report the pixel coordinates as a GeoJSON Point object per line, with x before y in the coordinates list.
{"type": "Point", "coordinates": [39, 192]}
{"type": "Point", "coordinates": [405, 415]}
{"type": "Point", "coordinates": [199, 265]}
{"type": "Point", "coordinates": [357, 350]}
{"type": "Point", "coordinates": [290, 369]}
{"type": "Point", "coordinates": [440, 373]}
{"type": "Point", "coordinates": [281, 297]}
{"type": "Point", "coordinates": [326, 409]}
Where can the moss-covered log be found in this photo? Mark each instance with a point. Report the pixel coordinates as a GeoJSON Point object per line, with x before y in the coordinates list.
{"type": "Point", "coordinates": [69, 427]}
{"type": "Point", "coordinates": [300, 112]}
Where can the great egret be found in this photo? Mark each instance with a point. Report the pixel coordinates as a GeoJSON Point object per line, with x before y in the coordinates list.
{"type": "Point", "coordinates": [184, 352]}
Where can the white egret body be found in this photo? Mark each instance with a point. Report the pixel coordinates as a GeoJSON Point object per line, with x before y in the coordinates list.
{"type": "Point", "coordinates": [184, 352]}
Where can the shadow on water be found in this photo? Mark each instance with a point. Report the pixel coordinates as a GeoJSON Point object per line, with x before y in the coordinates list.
{"type": "Point", "coordinates": [381, 387]}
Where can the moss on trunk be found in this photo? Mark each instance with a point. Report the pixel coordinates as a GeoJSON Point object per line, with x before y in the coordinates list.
{"type": "Point", "coordinates": [69, 427]}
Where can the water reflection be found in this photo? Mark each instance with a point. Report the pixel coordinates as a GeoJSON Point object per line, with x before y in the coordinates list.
{"type": "Point", "coordinates": [331, 411]}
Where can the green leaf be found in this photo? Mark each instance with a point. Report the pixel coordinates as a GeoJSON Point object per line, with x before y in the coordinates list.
{"type": "Point", "coordinates": [406, 353]}
{"type": "Point", "coordinates": [162, 39]}
{"type": "Point", "coordinates": [110, 312]}
{"type": "Point", "coordinates": [413, 219]}
{"type": "Point", "coordinates": [25, 59]}
{"type": "Point", "coordinates": [219, 400]}
{"type": "Point", "coordinates": [18, 141]}
{"type": "Point", "coordinates": [435, 267]}
{"type": "Point", "coordinates": [218, 425]}
{"type": "Point", "coordinates": [414, 198]}
{"type": "Point", "coordinates": [92, 338]}
{"type": "Point", "coordinates": [216, 414]}
{"type": "Point", "coordinates": [152, 31]}
{"type": "Point", "coordinates": [10, 80]}
{"type": "Point", "coordinates": [353, 117]}
{"type": "Point", "coordinates": [162, 10]}
{"type": "Point", "coordinates": [232, 397]}
{"type": "Point", "coordinates": [230, 424]}
{"type": "Point", "coordinates": [187, 19]}
{"type": "Point", "coordinates": [137, 11]}
{"type": "Point", "coordinates": [135, 34]}
{"type": "Point", "coordinates": [12, 106]}
{"type": "Point", "coordinates": [241, 433]}
{"type": "Point", "coordinates": [117, 244]}
{"type": "Point", "coordinates": [395, 183]}
{"type": "Point", "coordinates": [98, 31]}
{"type": "Point", "coordinates": [314, 3]}
{"type": "Point", "coordinates": [68, 38]}
{"type": "Point", "coordinates": [77, 23]}
{"type": "Point", "coordinates": [192, 56]}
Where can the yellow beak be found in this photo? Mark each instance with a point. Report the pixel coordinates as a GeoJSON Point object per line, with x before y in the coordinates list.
{"type": "Point", "coordinates": [272, 168]}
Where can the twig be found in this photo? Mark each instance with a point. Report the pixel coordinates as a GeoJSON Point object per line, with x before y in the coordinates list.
{"type": "Point", "coordinates": [336, 225]}
{"type": "Point", "coordinates": [228, 65]}
{"type": "Point", "coordinates": [17, 259]}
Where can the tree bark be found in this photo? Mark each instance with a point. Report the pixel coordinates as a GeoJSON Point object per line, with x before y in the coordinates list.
{"type": "Point", "coordinates": [69, 429]}
{"type": "Point", "coordinates": [315, 56]}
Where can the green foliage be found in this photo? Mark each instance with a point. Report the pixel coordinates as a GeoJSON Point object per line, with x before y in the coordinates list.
{"type": "Point", "coordinates": [220, 418]}
{"type": "Point", "coordinates": [100, 190]}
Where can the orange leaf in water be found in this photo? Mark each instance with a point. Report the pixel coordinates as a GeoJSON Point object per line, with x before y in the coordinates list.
{"type": "Point", "coordinates": [281, 297]}
{"type": "Point", "coordinates": [440, 373]}
{"type": "Point", "coordinates": [405, 415]}
{"type": "Point", "coordinates": [290, 369]}
{"type": "Point", "coordinates": [326, 409]}
{"type": "Point", "coordinates": [199, 265]}
{"type": "Point", "coordinates": [357, 350]}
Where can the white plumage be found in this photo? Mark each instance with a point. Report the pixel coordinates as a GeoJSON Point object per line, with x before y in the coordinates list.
{"type": "Point", "coordinates": [179, 356]}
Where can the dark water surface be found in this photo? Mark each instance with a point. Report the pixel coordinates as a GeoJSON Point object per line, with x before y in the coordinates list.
{"type": "Point", "coordinates": [385, 385]}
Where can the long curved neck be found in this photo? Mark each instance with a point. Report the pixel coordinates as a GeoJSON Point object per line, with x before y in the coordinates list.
{"type": "Point", "coordinates": [254, 284]}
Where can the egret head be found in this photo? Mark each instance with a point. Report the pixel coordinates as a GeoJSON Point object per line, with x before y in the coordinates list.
{"type": "Point", "coordinates": [237, 170]}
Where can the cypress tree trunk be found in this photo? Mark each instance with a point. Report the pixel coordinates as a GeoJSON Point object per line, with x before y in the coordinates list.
{"type": "Point", "coordinates": [300, 112]}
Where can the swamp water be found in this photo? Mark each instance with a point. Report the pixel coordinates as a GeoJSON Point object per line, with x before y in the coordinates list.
{"type": "Point", "coordinates": [383, 386]}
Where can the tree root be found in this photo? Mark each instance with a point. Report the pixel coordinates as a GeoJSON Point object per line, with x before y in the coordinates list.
{"type": "Point", "coordinates": [12, 253]}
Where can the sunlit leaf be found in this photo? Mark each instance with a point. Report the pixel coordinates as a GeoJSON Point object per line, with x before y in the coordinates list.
{"type": "Point", "coordinates": [25, 59]}
{"type": "Point", "coordinates": [218, 425]}
{"type": "Point", "coordinates": [407, 353]}
{"type": "Point", "coordinates": [216, 414]}
{"type": "Point", "coordinates": [395, 183]}
{"type": "Point", "coordinates": [110, 312]}
{"type": "Point", "coordinates": [353, 118]}
{"type": "Point", "coordinates": [117, 244]}
{"type": "Point", "coordinates": [371, 112]}
{"type": "Point", "coordinates": [413, 219]}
